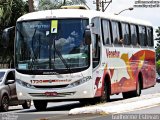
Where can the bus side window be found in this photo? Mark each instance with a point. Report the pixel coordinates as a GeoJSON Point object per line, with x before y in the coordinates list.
{"type": "Point", "coordinates": [106, 33]}
{"type": "Point", "coordinates": [96, 50]}
{"type": "Point", "coordinates": [115, 32]}
{"type": "Point", "coordinates": [142, 36]}
{"type": "Point", "coordinates": [150, 36]}
{"type": "Point", "coordinates": [125, 34]}
{"type": "Point", "coordinates": [134, 36]}
{"type": "Point", "coordinates": [96, 41]}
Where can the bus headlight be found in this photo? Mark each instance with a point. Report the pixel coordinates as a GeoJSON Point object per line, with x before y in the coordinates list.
{"type": "Point", "coordinates": [79, 82]}
{"type": "Point", "coordinates": [24, 84]}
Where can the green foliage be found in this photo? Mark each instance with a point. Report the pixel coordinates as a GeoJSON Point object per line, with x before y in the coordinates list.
{"type": "Point", "coordinates": [158, 50]}
{"type": "Point", "coordinates": [10, 11]}
{"type": "Point", "coordinates": [158, 44]}
{"type": "Point", "coordinates": [76, 2]}
{"type": "Point", "coordinates": [47, 4]}
{"type": "Point", "coordinates": [158, 33]}
{"type": "Point", "coordinates": [158, 66]}
{"type": "Point", "coordinates": [55, 4]}
{"type": "Point", "coordinates": [19, 7]}
{"type": "Point", "coordinates": [5, 6]}
{"type": "Point", "coordinates": [158, 63]}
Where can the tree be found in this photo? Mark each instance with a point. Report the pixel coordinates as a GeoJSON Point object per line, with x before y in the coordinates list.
{"type": "Point", "coordinates": [31, 5]}
{"type": "Point", "coordinates": [77, 2]}
{"type": "Point", "coordinates": [158, 44]}
{"type": "Point", "coordinates": [55, 4]}
{"type": "Point", "coordinates": [10, 11]}
{"type": "Point", "coordinates": [158, 50]}
{"type": "Point", "coordinates": [19, 8]}
{"type": "Point", "coordinates": [158, 37]}
{"type": "Point", "coordinates": [48, 4]}
{"type": "Point", "coordinates": [5, 8]}
{"type": "Point", "coordinates": [158, 33]}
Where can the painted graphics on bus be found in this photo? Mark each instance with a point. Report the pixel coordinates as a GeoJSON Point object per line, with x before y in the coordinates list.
{"type": "Point", "coordinates": [127, 71]}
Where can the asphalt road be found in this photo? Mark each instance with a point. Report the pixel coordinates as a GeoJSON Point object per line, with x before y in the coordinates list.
{"type": "Point", "coordinates": [59, 110]}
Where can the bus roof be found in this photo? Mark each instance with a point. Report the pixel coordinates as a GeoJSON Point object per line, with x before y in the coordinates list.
{"type": "Point", "coordinates": [79, 13]}
{"type": "Point", "coordinates": [75, 7]}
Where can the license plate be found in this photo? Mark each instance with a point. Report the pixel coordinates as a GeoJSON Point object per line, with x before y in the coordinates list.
{"type": "Point", "coordinates": [51, 93]}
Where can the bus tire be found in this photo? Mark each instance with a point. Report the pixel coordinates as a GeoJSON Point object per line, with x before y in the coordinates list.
{"type": "Point", "coordinates": [84, 102]}
{"type": "Point", "coordinates": [89, 101]}
{"type": "Point", "coordinates": [127, 94]}
{"type": "Point", "coordinates": [40, 105]}
{"type": "Point", "coordinates": [26, 104]}
{"type": "Point", "coordinates": [105, 97]}
{"type": "Point", "coordinates": [135, 93]}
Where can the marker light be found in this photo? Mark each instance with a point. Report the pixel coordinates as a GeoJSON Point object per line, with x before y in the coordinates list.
{"type": "Point", "coordinates": [79, 82]}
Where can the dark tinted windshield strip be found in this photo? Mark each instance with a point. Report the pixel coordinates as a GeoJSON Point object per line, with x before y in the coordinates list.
{"type": "Point", "coordinates": [50, 72]}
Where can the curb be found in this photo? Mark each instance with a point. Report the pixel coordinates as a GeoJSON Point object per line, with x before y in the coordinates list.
{"type": "Point", "coordinates": [119, 106]}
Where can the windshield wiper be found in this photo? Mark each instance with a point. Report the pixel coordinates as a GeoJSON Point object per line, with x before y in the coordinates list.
{"type": "Point", "coordinates": [62, 59]}
{"type": "Point", "coordinates": [33, 54]}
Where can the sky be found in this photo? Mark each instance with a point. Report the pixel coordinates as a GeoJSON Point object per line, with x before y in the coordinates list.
{"type": "Point", "coordinates": [149, 14]}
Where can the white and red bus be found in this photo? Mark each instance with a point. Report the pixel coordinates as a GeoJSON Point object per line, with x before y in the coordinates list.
{"type": "Point", "coordinates": [85, 55]}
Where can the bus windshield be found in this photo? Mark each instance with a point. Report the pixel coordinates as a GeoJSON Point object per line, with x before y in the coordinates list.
{"type": "Point", "coordinates": [51, 45]}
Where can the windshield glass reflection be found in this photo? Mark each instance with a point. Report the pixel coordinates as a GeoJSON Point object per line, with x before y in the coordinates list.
{"type": "Point", "coordinates": [51, 45]}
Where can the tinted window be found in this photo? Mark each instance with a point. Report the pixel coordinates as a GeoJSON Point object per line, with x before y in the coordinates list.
{"type": "Point", "coordinates": [134, 39]}
{"type": "Point", "coordinates": [106, 32]}
{"type": "Point", "coordinates": [38, 47]}
{"type": "Point", "coordinates": [10, 76]}
{"type": "Point", "coordinates": [115, 32]}
{"type": "Point", "coordinates": [1, 75]}
{"type": "Point", "coordinates": [150, 36]}
{"type": "Point", "coordinates": [96, 42]}
{"type": "Point", "coordinates": [142, 36]}
{"type": "Point", "coordinates": [125, 34]}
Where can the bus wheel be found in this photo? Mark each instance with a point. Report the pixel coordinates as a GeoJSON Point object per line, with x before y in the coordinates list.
{"type": "Point", "coordinates": [127, 94]}
{"type": "Point", "coordinates": [84, 102]}
{"type": "Point", "coordinates": [105, 93]}
{"type": "Point", "coordinates": [40, 105]}
{"type": "Point", "coordinates": [137, 92]}
{"type": "Point", "coordinates": [26, 104]}
{"type": "Point", "coordinates": [91, 101]}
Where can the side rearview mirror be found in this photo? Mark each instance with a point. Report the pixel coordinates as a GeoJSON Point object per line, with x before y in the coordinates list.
{"type": "Point", "coordinates": [10, 81]}
{"type": "Point", "coordinates": [87, 37]}
{"type": "Point", "coordinates": [7, 35]}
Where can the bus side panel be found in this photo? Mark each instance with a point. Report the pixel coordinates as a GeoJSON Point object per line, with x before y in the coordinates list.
{"type": "Point", "coordinates": [124, 70]}
{"type": "Point", "coordinates": [99, 77]}
{"type": "Point", "coordinates": [142, 61]}
{"type": "Point", "coordinates": [148, 68]}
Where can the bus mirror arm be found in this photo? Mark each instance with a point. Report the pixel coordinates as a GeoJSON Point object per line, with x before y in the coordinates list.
{"type": "Point", "coordinates": [7, 35]}
{"type": "Point", "coordinates": [87, 37]}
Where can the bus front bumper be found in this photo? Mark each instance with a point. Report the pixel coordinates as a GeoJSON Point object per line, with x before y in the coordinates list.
{"type": "Point", "coordinates": [78, 92]}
